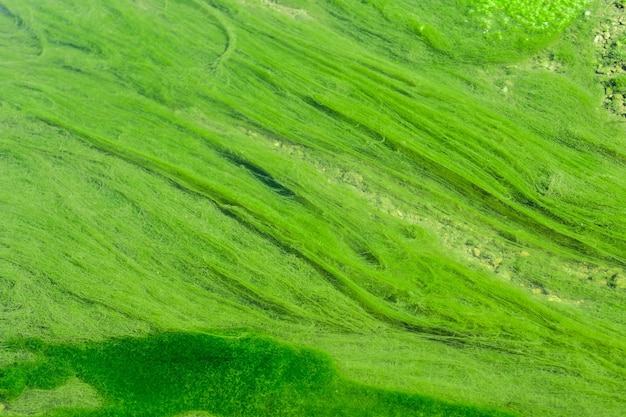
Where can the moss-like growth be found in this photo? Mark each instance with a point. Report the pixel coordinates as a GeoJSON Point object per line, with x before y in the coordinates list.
{"type": "Point", "coordinates": [175, 373]}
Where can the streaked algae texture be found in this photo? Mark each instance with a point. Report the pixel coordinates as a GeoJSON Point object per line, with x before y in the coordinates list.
{"type": "Point", "coordinates": [411, 207]}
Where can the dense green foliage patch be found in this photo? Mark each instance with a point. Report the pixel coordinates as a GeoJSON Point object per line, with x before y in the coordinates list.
{"type": "Point", "coordinates": [438, 208]}
{"type": "Point", "coordinates": [172, 374]}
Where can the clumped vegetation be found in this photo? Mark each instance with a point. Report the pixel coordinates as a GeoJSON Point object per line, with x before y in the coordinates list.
{"type": "Point", "coordinates": [227, 375]}
{"type": "Point", "coordinates": [433, 206]}
{"type": "Point", "coordinates": [530, 16]}
{"type": "Point", "coordinates": [610, 41]}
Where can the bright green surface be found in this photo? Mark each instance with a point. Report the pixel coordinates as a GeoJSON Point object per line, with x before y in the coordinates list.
{"type": "Point", "coordinates": [381, 181]}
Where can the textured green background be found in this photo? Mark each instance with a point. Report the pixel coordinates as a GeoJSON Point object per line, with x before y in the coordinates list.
{"type": "Point", "coordinates": [401, 186]}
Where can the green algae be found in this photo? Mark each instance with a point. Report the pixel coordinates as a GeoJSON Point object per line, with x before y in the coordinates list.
{"type": "Point", "coordinates": [380, 181]}
{"type": "Point", "coordinates": [175, 373]}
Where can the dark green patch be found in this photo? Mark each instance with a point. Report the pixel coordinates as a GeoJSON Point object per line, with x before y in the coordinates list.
{"type": "Point", "coordinates": [173, 373]}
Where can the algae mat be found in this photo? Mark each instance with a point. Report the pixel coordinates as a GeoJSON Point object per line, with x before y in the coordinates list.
{"type": "Point", "coordinates": [251, 208]}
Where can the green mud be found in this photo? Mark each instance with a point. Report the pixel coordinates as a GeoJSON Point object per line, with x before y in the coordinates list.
{"type": "Point", "coordinates": [433, 195]}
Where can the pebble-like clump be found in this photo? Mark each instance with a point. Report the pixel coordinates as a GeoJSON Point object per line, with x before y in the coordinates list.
{"type": "Point", "coordinates": [529, 15]}
{"type": "Point", "coordinates": [610, 37]}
